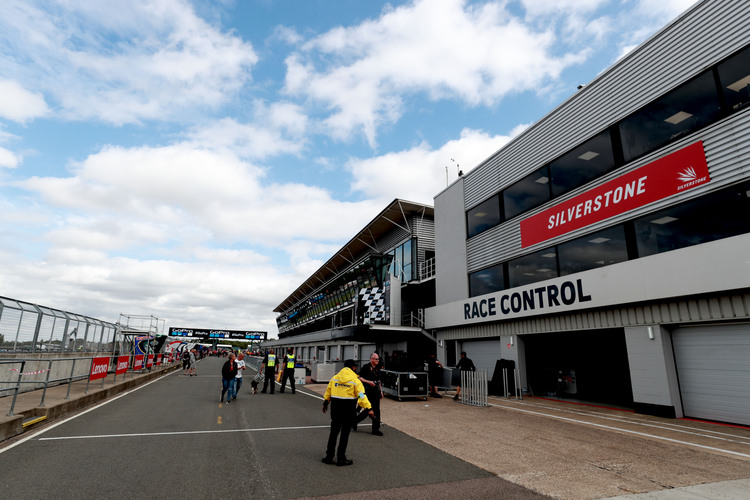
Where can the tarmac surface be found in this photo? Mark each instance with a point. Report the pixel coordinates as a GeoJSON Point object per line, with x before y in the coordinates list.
{"type": "Point", "coordinates": [547, 448]}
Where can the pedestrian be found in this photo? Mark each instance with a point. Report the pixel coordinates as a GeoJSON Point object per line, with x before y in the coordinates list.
{"type": "Point", "coordinates": [435, 374]}
{"type": "Point", "coordinates": [369, 375]}
{"type": "Point", "coordinates": [192, 362]}
{"type": "Point", "coordinates": [344, 393]}
{"type": "Point", "coordinates": [288, 368]}
{"type": "Point", "coordinates": [240, 368]}
{"type": "Point", "coordinates": [228, 374]}
{"type": "Point", "coordinates": [269, 365]}
{"type": "Point", "coordinates": [186, 362]}
{"type": "Point", "coordinates": [464, 365]}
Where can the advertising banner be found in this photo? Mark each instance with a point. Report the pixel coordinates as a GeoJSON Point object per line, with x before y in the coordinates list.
{"type": "Point", "coordinates": [122, 364]}
{"type": "Point", "coordinates": [158, 359]}
{"type": "Point", "coordinates": [150, 361]}
{"type": "Point", "coordinates": [671, 174]}
{"type": "Point", "coordinates": [99, 368]}
{"type": "Point", "coordinates": [138, 363]}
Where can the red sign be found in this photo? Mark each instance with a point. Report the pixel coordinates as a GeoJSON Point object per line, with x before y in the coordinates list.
{"type": "Point", "coordinates": [676, 172]}
{"type": "Point", "coordinates": [122, 364]}
{"type": "Point", "coordinates": [138, 363]}
{"type": "Point", "coordinates": [150, 361]}
{"type": "Point", "coordinates": [99, 368]}
{"type": "Point", "coordinates": [158, 359]}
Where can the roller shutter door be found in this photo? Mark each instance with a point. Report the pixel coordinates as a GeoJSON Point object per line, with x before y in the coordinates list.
{"type": "Point", "coordinates": [713, 367]}
{"type": "Point", "coordinates": [484, 354]}
{"type": "Point", "coordinates": [348, 352]}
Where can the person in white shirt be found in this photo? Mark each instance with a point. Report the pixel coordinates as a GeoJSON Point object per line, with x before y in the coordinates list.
{"type": "Point", "coordinates": [240, 368]}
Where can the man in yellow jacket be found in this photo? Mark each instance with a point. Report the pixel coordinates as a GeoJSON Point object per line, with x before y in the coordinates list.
{"type": "Point", "coordinates": [344, 393]}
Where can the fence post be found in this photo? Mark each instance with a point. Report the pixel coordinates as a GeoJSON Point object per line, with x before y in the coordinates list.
{"type": "Point", "coordinates": [46, 382]}
{"type": "Point", "coordinates": [18, 386]}
{"type": "Point", "coordinates": [70, 379]}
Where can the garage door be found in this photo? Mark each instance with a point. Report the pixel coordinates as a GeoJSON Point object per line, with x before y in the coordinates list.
{"type": "Point", "coordinates": [348, 352]}
{"type": "Point", "coordinates": [713, 367]}
{"type": "Point", "coordinates": [484, 354]}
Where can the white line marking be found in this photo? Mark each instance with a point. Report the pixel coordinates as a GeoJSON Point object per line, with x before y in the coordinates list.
{"type": "Point", "coordinates": [178, 433]}
{"type": "Point", "coordinates": [608, 427]}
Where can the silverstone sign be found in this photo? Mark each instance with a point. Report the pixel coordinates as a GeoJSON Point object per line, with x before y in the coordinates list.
{"type": "Point", "coordinates": [676, 172]}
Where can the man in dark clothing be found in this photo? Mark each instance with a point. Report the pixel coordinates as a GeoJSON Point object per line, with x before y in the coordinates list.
{"type": "Point", "coordinates": [369, 375]}
{"type": "Point", "coordinates": [435, 374]}
{"type": "Point", "coordinates": [269, 364]}
{"type": "Point", "coordinates": [464, 365]}
{"type": "Point", "coordinates": [288, 368]}
{"type": "Point", "coordinates": [228, 372]}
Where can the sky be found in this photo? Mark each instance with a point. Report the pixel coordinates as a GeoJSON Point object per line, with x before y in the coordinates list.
{"type": "Point", "coordinates": [196, 161]}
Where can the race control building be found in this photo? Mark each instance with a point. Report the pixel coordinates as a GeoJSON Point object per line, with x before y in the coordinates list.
{"type": "Point", "coordinates": [605, 251]}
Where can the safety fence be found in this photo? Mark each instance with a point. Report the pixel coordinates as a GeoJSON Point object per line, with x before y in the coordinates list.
{"type": "Point", "coordinates": [25, 375]}
{"type": "Point", "coordinates": [474, 387]}
{"type": "Point", "coordinates": [515, 388]}
{"type": "Point", "coordinates": [27, 327]}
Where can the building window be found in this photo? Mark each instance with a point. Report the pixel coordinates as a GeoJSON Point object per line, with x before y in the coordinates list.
{"type": "Point", "coordinates": [678, 113]}
{"type": "Point", "coordinates": [529, 192]}
{"type": "Point", "coordinates": [538, 266]}
{"type": "Point", "coordinates": [593, 250]}
{"type": "Point", "coordinates": [586, 162]}
{"type": "Point", "coordinates": [711, 217]}
{"type": "Point", "coordinates": [483, 216]}
{"type": "Point", "coordinates": [487, 280]}
{"type": "Point", "coordinates": [734, 75]}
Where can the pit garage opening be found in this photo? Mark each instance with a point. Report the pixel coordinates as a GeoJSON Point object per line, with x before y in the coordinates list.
{"type": "Point", "coordinates": [589, 366]}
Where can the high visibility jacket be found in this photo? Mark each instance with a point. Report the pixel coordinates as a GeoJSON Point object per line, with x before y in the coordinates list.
{"type": "Point", "coordinates": [271, 360]}
{"type": "Point", "coordinates": [346, 385]}
{"type": "Point", "coordinates": [290, 361]}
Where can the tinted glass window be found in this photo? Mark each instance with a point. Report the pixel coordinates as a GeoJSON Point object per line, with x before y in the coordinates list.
{"type": "Point", "coordinates": [486, 281]}
{"type": "Point", "coordinates": [594, 250]}
{"type": "Point", "coordinates": [407, 261]}
{"type": "Point", "coordinates": [529, 192]}
{"type": "Point", "coordinates": [483, 216]}
{"type": "Point", "coordinates": [678, 113]}
{"type": "Point", "coordinates": [711, 217]}
{"type": "Point", "coordinates": [528, 269]}
{"type": "Point", "coordinates": [584, 163]}
{"type": "Point", "coordinates": [734, 75]}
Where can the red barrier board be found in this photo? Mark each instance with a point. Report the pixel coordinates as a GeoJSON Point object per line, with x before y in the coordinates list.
{"type": "Point", "coordinates": [99, 368]}
{"type": "Point", "coordinates": [684, 169]}
{"type": "Point", "coordinates": [158, 359]}
{"type": "Point", "coordinates": [138, 363]}
{"type": "Point", "coordinates": [150, 361]}
{"type": "Point", "coordinates": [122, 364]}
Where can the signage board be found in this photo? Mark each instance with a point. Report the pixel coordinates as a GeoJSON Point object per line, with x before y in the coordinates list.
{"type": "Point", "coordinates": [138, 362]}
{"type": "Point", "coordinates": [99, 368]}
{"type": "Point", "coordinates": [217, 334]}
{"type": "Point", "coordinates": [122, 364]}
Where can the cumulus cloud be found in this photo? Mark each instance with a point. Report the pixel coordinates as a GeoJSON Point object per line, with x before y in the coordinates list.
{"type": "Point", "coordinates": [18, 104]}
{"type": "Point", "coordinates": [121, 62]}
{"type": "Point", "coordinates": [8, 159]}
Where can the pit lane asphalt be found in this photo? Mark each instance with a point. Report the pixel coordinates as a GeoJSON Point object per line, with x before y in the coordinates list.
{"type": "Point", "coordinates": [172, 438]}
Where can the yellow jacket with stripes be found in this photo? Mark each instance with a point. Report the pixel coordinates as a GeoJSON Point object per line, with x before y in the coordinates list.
{"type": "Point", "coordinates": [346, 385]}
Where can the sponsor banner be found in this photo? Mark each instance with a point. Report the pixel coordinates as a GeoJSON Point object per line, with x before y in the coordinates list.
{"type": "Point", "coordinates": [138, 363]}
{"type": "Point", "coordinates": [122, 364]}
{"type": "Point", "coordinates": [99, 368]}
{"type": "Point", "coordinates": [158, 359]}
{"type": "Point", "coordinates": [669, 175]}
{"type": "Point", "coordinates": [150, 361]}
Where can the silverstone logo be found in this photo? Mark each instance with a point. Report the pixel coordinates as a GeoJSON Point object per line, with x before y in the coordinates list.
{"type": "Point", "coordinates": [689, 178]}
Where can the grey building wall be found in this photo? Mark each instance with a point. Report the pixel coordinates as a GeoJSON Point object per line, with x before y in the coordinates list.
{"type": "Point", "coordinates": [450, 255]}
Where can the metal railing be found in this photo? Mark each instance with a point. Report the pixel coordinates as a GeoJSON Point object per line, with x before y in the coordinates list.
{"type": "Point", "coordinates": [413, 318]}
{"type": "Point", "coordinates": [35, 374]}
{"type": "Point", "coordinates": [474, 388]}
{"type": "Point", "coordinates": [517, 392]}
{"type": "Point", "coordinates": [427, 269]}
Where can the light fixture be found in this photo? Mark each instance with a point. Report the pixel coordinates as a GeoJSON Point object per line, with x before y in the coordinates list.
{"type": "Point", "coordinates": [663, 220]}
{"type": "Point", "coordinates": [543, 270]}
{"type": "Point", "coordinates": [511, 340]}
{"type": "Point", "coordinates": [650, 332]}
{"type": "Point", "coordinates": [480, 214]}
{"type": "Point", "coordinates": [588, 155]}
{"type": "Point", "coordinates": [678, 117]}
{"type": "Point", "coordinates": [596, 241]}
{"type": "Point", "coordinates": [550, 255]}
{"type": "Point", "coordinates": [542, 180]}
{"type": "Point", "coordinates": [740, 84]}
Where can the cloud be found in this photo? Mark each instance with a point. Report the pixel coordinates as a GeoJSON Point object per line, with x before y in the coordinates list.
{"type": "Point", "coordinates": [18, 104]}
{"type": "Point", "coordinates": [8, 159]}
{"type": "Point", "coordinates": [419, 173]}
{"type": "Point", "coordinates": [478, 54]}
{"type": "Point", "coordinates": [121, 62]}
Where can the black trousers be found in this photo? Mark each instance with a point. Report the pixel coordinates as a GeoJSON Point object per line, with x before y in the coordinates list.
{"type": "Point", "coordinates": [288, 375]}
{"type": "Point", "coordinates": [375, 402]}
{"type": "Point", "coordinates": [269, 379]}
{"type": "Point", "coordinates": [342, 418]}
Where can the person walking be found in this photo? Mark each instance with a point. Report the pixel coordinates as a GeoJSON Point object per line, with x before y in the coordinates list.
{"type": "Point", "coordinates": [192, 362]}
{"type": "Point", "coordinates": [344, 393]}
{"type": "Point", "coordinates": [269, 365]}
{"type": "Point", "coordinates": [228, 373]}
{"type": "Point", "coordinates": [240, 368]}
{"type": "Point", "coordinates": [435, 374]}
{"type": "Point", "coordinates": [369, 375]}
{"type": "Point", "coordinates": [464, 365]}
{"type": "Point", "coordinates": [288, 368]}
